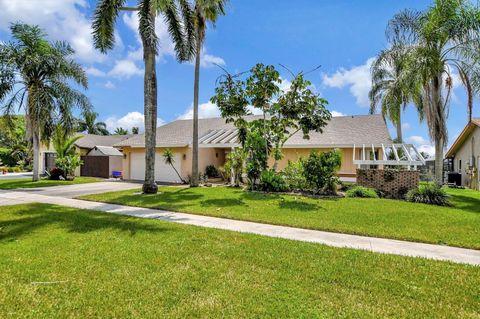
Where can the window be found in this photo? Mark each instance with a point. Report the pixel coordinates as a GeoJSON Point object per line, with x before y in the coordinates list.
{"type": "Point", "coordinates": [459, 165]}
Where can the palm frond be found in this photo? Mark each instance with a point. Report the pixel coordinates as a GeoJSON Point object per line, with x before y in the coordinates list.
{"type": "Point", "coordinates": [103, 25]}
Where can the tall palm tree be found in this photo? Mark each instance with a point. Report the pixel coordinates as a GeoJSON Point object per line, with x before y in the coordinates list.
{"type": "Point", "coordinates": [205, 11]}
{"type": "Point", "coordinates": [391, 89]}
{"type": "Point", "coordinates": [177, 15]}
{"type": "Point", "coordinates": [35, 75]}
{"type": "Point", "coordinates": [443, 39]}
{"type": "Point", "coordinates": [120, 131]}
{"type": "Point", "coordinates": [90, 125]}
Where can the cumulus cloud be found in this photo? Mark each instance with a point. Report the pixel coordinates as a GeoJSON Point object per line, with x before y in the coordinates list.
{"type": "Point", "coordinates": [95, 72]}
{"type": "Point", "coordinates": [124, 69]}
{"type": "Point", "coordinates": [208, 60]}
{"type": "Point", "coordinates": [109, 85]}
{"type": "Point", "coordinates": [357, 79]}
{"type": "Point", "coordinates": [205, 110]}
{"type": "Point", "coordinates": [336, 113]}
{"type": "Point", "coordinates": [63, 20]}
{"type": "Point", "coordinates": [131, 119]}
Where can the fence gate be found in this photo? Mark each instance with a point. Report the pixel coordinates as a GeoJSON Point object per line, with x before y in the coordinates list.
{"type": "Point", "coordinates": [49, 161]}
{"type": "Point", "coordinates": [95, 166]}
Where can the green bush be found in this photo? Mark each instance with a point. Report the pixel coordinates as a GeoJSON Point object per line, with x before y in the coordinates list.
{"type": "Point", "coordinates": [363, 192]}
{"type": "Point", "coordinates": [272, 181]}
{"type": "Point", "coordinates": [294, 175]}
{"type": "Point", "coordinates": [7, 158]}
{"type": "Point", "coordinates": [211, 171]}
{"type": "Point", "coordinates": [68, 164]}
{"type": "Point", "coordinates": [430, 193]}
{"type": "Point", "coordinates": [320, 171]}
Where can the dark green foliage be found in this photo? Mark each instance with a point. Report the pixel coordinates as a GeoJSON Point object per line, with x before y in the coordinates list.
{"type": "Point", "coordinates": [211, 171]}
{"type": "Point", "coordinates": [429, 193]}
{"type": "Point", "coordinates": [363, 192]}
{"type": "Point", "coordinates": [272, 181]}
{"type": "Point", "coordinates": [320, 171]}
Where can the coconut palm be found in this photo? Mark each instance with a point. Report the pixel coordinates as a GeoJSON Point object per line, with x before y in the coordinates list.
{"type": "Point", "coordinates": [120, 131]}
{"type": "Point", "coordinates": [169, 160]}
{"type": "Point", "coordinates": [90, 125]}
{"type": "Point", "coordinates": [441, 40]}
{"type": "Point", "coordinates": [36, 76]}
{"type": "Point", "coordinates": [205, 11]}
{"type": "Point", "coordinates": [177, 15]}
{"type": "Point", "coordinates": [391, 89]}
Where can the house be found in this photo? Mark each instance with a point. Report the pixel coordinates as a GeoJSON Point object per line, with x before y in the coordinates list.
{"type": "Point", "coordinates": [464, 155]}
{"type": "Point", "coordinates": [361, 139]}
{"type": "Point", "coordinates": [99, 156]}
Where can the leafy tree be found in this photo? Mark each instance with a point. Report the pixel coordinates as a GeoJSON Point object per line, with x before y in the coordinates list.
{"type": "Point", "coordinates": [90, 125]}
{"type": "Point", "coordinates": [177, 15]}
{"type": "Point", "coordinates": [169, 160]}
{"type": "Point", "coordinates": [35, 75]}
{"type": "Point", "coordinates": [135, 130]}
{"type": "Point", "coordinates": [442, 39]}
{"type": "Point", "coordinates": [205, 11]}
{"type": "Point", "coordinates": [120, 131]}
{"type": "Point", "coordinates": [284, 112]}
{"type": "Point", "coordinates": [320, 170]}
{"type": "Point", "coordinates": [234, 165]}
{"type": "Point", "coordinates": [14, 148]}
{"type": "Point", "coordinates": [68, 164]}
{"type": "Point", "coordinates": [391, 89]}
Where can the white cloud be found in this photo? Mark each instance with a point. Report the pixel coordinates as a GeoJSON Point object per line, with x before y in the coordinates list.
{"type": "Point", "coordinates": [124, 69]}
{"type": "Point", "coordinates": [406, 126]}
{"type": "Point", "coordinates": [95, 72]}
{"type": "Point", "coordinates": [429, 149]}
{"type": "Point", "coordinates": [109, 85]}
{"type": "Point", "coordinates": [63, 20]}
{"type": "Point", "coordinates": [416, 139]}
{"type": "Point", "coordinates": [131, 119]}
{"type": "Point", "coordinates": [357, 78]}
{"type": "Point", "coordinates": [205, 110]}
{"type": "Point", "coordinates": [208, 60]}
{"type": "Point", "coordinates": [336, 113]}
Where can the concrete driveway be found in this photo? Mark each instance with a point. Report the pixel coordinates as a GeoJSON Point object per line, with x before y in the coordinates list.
{"type": "Point", "coordinates": [70, 191]}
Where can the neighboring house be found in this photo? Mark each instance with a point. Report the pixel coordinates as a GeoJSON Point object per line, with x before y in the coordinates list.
{"type": "Point", "coordinates": [365, 135]}
{"type": "Point", "coordinates": [97, 153]}
{"type": "Point", "coordinates": [464, 154]}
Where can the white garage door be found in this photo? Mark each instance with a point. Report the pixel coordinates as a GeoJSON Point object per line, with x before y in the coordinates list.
{"type": "Point", "coordinates": [163, 172]}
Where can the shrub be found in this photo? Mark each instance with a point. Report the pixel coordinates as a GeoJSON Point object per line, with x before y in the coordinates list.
{"type": "Point", "coordinates": [430, 193]}
{"type": "Point", "coordinates": [6, 157]}
{"type": "Point", "coordinates": [272, 181]}
{"type": "Point", "coordinates": [56, 174]}
{"type": "Point", "coordinates": [363, 192]}
{"type": "Point", "coordinates": [345, 186]}
{"type": "Point", "coordinates": [211, 171]}
{"type": "Point", "coordinates": [68, 164]}
{"type": "Point", "coordinates": [294, 175]}
{"type": "Point", "coordinates": [320, 171]}
{"type": "Point", "coordinates": [224, 174]}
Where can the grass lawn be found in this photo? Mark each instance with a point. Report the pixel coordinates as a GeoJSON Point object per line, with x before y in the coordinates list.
{"type": "Point", "coordinates": [455, 226]}
{"type": "Point", "coordinates": [64, 262]}
{"type": "Point", "coordinates": [27, 182]}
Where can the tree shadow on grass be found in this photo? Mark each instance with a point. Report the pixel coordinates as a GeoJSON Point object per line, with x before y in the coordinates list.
{"type": "Point", "coordinates": [223, 202]}
{"type": "Point", "coordinates": [466, 203]}
{"type": "Point", "coordinates": [36, 216]}
{"type": "Point", "coordinates": [299, 205]}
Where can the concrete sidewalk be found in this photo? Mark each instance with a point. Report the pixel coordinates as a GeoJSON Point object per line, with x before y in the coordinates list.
{"type": "Point", "coordinates": [379, 245]}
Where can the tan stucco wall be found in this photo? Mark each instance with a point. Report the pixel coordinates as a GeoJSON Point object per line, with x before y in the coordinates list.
{"type": "Point", "coordinates": [216, 157]}
{"type": "Point", "coordinates": [465, 153]}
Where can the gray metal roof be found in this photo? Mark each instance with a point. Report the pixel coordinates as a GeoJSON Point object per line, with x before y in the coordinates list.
{"type": "Point", "coordinates": [89, 141]}
{"type": "Point", "coordinates": [214, 132]}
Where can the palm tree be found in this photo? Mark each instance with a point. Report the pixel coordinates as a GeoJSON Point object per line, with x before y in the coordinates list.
{"type": "Point", "coordinates": [205, 11]}
{"type": "Point", "coordinates": [443, 39]}
{"type": "Point", "coordinates": [120, 131]}
{"type": "Point", "coordinates": [391, 88]}
{"type": "Point", "coordinates": [135, 130]}
{"type": "Point", "coordinates": [63, 144]}
{"type": "Point", "coordinates": [105, 16]}
{"type": "Point", "coordinates": [35, 75]}
{"type": "Point", "coordinates": [90, 125]}
{"type": "Point", "coordinates": [168, 159]}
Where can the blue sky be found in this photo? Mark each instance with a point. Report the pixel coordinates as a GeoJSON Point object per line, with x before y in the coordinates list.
{"type": "Point", "coordinates": [342, 36]}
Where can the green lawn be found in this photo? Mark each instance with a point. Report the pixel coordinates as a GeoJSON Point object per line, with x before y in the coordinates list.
{"type": "Point", "coordinates": [101, 265]}
{"type": "Point", "coordinates": [27, 182]}
{"type": "Point", "coordinates": [456, 226]}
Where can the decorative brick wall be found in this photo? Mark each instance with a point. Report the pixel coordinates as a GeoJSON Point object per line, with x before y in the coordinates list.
{"type": "Point", "coordinates": [392, 183]}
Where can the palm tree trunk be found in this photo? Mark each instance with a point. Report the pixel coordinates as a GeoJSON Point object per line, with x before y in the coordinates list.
{"type": "Point", "coordinates": [150, 110]}
{"type": "Point", "coordinates": [439, 160]}
{"type": "Point", "coordinates": [36, 153]}
{"type": "Point", "coordinates": [196, 88]}
{"type": "Point", "coordinates": [399, 127]}
{"type": "Point", "coordinates": [438, 114]}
